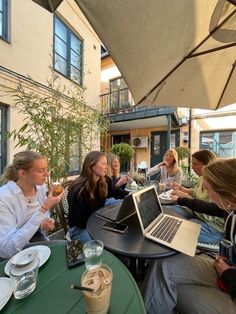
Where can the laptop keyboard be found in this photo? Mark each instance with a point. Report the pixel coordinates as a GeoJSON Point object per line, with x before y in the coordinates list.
{"type": "Point", "coordinates": [112, 213]}
{"type": "Point", "coordinates": [167, 229]}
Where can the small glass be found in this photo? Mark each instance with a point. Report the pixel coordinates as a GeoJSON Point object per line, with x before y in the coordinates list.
{"type": "Point", "coordinates": [57, 188]}
{"type": "Point", "coordinates": [24, 278]}
{"type": "Point", "coordinates": [93, 253]}
{"type": "Point", "coordinates": [100, 280]}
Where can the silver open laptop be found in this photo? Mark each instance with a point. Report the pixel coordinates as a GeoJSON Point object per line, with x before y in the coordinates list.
{"type": "Point", "coordinates": [174, 232]}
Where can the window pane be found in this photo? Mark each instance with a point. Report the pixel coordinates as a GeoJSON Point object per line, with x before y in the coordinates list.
{"type": "Point", "coordinates": [60, 47]}
{"type": "Point", "coordinates": [1, 26]}
{"type": "Point", "coordinates": [1, 1]}
{"type": "Point", "coordinates": [156, 145]}
{"type": "Point", "coordinates": [61, 30]}
{"type": "Point", "coordinates": [61, 65]}
{"type": "Point", "coordinates": [75, 74]}
{"type": "Point", "coordinates": [75, 59]}
{"type": "Point", "coordinates": [67, 52]}
{"type": "Point", "coordinates": [172, 140]}
{"type": "Point", "coordinates": [75, 44]}
{"type": "Point", "coordinates": [222, 143]}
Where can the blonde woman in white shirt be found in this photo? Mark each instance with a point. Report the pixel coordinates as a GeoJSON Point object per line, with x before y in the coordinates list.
{"type": "Point", "coordinates": [170, 164]}
{"type": "Point", "coordinates": [24, 205]}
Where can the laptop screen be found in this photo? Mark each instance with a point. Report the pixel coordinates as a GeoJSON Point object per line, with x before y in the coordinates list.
{"type": "Point", "coordinates": [148, 206]}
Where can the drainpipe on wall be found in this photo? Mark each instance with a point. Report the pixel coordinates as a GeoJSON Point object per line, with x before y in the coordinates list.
{"type": "Point", "coordinates": [168, 131]}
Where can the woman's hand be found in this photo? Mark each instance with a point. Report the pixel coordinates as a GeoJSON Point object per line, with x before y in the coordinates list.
{"type": "Point", "coordinates": [174, 197]}
{"type": "Point", "coordinates": [220, 265]}
{"type": "Point", "coordinates": [180, 194]}
{"type": "Point", "coordinates": [122, 180]}
{"type": "Point", "coordinates": [175, 186]}
{"type": "Point", "coordinates": [47, 225]}
{"type": "Point", "coordinates": [163, 163]}
{"type": "Point", "coordinates": [51, 200]}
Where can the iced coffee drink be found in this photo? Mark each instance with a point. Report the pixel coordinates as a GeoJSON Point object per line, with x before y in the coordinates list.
{"type": "Point", "coordinates": [100, 280]}
{"type": "Point", "coordinates": [162, 187]}
{"type": "Point", "coordinates": [57, 188]}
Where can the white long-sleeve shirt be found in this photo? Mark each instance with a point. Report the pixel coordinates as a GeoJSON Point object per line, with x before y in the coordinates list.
{"type": "Point", "coordinates": [177, 177]}
{"type": "Point", "coordinates": [17, 226]}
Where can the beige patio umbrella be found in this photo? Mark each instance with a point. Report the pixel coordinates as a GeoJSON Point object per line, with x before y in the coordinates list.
{"type": "Point", "coordinates": [171, 52]}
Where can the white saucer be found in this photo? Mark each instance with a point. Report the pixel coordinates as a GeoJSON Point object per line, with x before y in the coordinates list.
{"type": "Point", "coordinates": [165, 198]}
{"type": "Point", "coordinates": [20, 270]}
{"type": "Point", "coordinates": [23, 258]}
{"type": "Point", "coordinates": [6, 289]}
{"type": "Point", "coordinates": [43, 254]}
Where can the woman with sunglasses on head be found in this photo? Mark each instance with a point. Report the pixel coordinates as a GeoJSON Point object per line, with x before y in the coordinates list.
{"type": "Point", "coordinates": [24, 206]}
{"type": "Point", "coordinates": [88, 193]}
{"type": "Point", "coordinates": [199, 284]}
{"type": "Point", "coordinates": [169, 165]}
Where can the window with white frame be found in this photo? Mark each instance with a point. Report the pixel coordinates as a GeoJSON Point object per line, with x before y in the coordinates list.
{"type": "Point", "coordinates": [222, 143]}
{"type": "Point", "coordinates": [4, 19]}
{"type": "Point", "coordinates": [68, 52]}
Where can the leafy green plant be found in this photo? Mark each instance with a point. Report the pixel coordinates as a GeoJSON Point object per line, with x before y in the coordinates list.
{"type": "Point", "coordinates": [124, 151]}
{"type": "Point", "coordinates": [183, 152]}
{"type": "Point", "coordinates": [56, 122]}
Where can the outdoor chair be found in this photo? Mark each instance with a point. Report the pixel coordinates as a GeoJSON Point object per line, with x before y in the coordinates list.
{"type": "Point", "coordinates": [62, 210]}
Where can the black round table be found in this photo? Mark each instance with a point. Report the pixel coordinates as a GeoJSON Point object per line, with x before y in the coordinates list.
{"type": "Point", "coordinates": [132, 243]}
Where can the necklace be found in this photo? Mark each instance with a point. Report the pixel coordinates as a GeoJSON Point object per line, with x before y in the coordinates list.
{"type": "Point", "coordinates": [29, 199]}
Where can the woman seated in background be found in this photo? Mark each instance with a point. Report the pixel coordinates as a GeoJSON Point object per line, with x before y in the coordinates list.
{"type": "Point", "coordinates": [170, 164]}
{"type": "Point", "coordinates": [117, 181]}
{"type": "Point", "coordinates": [24, 206]}
{"type": "Point", "coordinates": [199, 284]}
{"type": "Point", "coordinates": [212, 228]}
{"type": "Point", "coordinates": [88, 193]}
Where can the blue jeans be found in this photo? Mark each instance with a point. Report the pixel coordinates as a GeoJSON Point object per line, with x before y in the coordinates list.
{"type": "Point", "coordinates": [81, 234]}
{"type": "Point", "coordinates": [112, 201]}
{"type": "Point", "coordinates": [208, 234]}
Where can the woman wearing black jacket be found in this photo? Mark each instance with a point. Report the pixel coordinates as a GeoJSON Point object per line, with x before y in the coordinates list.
{"type": "Point", "coordinates": [88, 193]}
{"type": "Point", "coordinates": [199, 284]}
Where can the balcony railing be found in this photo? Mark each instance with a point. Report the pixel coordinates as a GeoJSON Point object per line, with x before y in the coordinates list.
{"type": "Point", "coordinates": [117, 101]}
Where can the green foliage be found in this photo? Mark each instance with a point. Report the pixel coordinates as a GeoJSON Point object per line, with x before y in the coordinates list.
{"type": "Point", "coordinates": [54, 122]}
{"type": "Point", "coordinates": [124, 151]}
{"type": "Point", "coordinates": [183, 152]}
{"type": "Point", "coordinates": [189, 177]}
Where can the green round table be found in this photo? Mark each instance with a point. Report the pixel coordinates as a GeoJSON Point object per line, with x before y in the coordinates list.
{"type": "Point", "coordinates": [54, 295]}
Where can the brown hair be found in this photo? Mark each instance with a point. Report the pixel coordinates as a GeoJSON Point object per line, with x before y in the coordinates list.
{"type": "Point", "coordinates": [86, 178]}
{"type": "Point", "coordinates": [22, 160]}
{"type": "Point", "coordinates": [221, 175]}
{"type": "Point", "coordinates": [205, 156]}
{"type": "Point", "coordinates": [110, 171]}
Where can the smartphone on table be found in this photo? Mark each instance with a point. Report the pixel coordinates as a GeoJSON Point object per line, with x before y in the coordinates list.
{"type": "Point", "coordinates": [116, 227]}
{"type": "Point", "coordinates": [74, 253]}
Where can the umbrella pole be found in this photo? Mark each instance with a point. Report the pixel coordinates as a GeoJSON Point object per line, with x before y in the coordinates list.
{"type": "Point", "coordinates": [189, 139]}
{"type": "Point", "coordinates": [168, 131]}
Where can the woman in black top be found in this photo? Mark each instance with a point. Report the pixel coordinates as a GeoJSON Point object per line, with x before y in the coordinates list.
{"type": "Point", "coordinates": [88, 193]}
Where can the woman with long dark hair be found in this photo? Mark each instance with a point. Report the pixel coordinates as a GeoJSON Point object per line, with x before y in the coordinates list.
{"type": "Point", "coordinates": [89, 192]}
